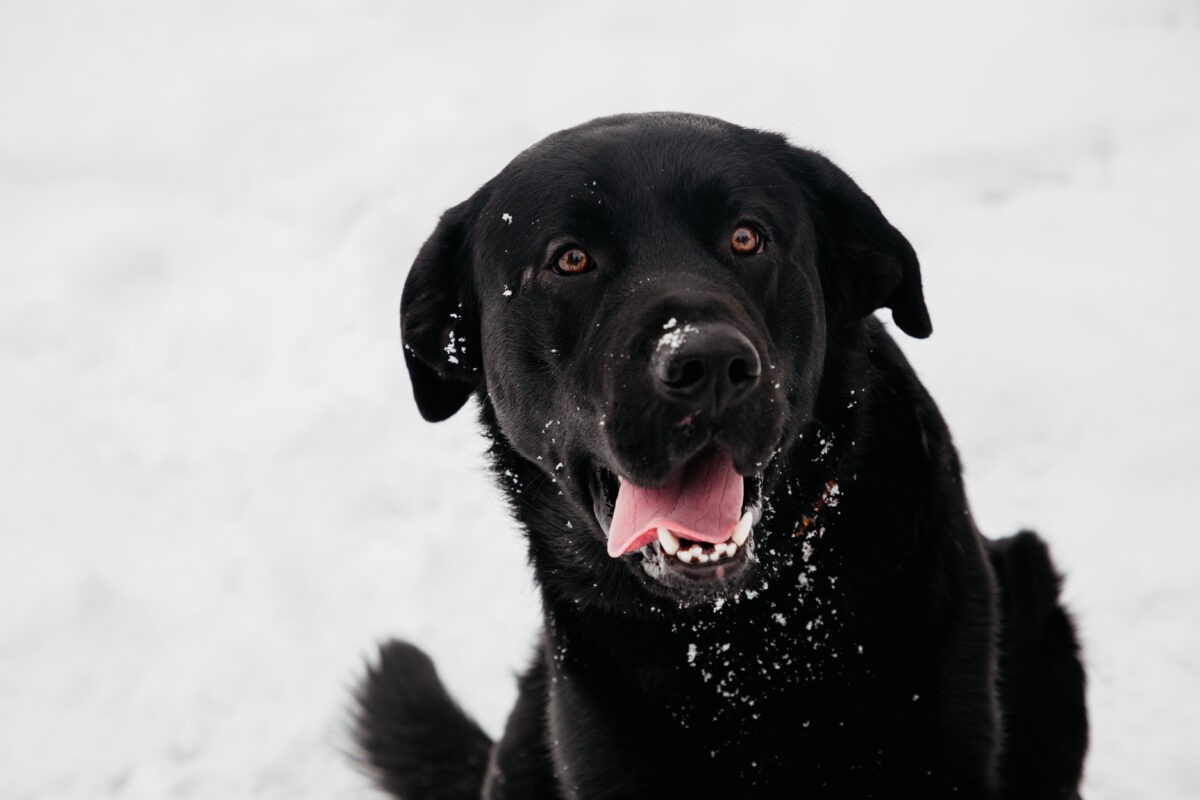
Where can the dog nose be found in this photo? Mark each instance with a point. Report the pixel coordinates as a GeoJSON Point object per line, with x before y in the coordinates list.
{"type": "Point", "coordinates": [713, 361]}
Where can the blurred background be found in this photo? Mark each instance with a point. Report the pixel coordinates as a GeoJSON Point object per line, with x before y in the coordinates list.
{"type": "Point", "coordinates": [216, 494]}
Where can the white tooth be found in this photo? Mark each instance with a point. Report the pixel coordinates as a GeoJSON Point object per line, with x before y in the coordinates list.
{"type": "Point", "coordinates": [669, 541]}
{"type": "Point", "coordinates": [685, 556]}
{"type": "Point", "coordinates": [742, 532]}
{"type": "Point", "coordinates": [719, 549]}
{"type": "Point", "coordinates": [703, 558]}
{"type": "Point", "coordinates": [697, 551]}
{"type": "Point", "coordinates": [730, 549]}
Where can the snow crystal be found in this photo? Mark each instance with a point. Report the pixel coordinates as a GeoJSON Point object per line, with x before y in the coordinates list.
{"type": "Point", "coordinates": [674, 339]}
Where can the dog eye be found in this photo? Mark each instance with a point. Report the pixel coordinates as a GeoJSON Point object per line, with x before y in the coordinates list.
{"type": "Point", "coordinates": [746, 240]}
{"type": "Point", "coordinates": [573, 261]}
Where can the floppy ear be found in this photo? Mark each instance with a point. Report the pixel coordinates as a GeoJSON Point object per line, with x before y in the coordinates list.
{"type": "Point", "coordinates": [865, 263]}
{"type": "Point", "coordinates": [439, 322]}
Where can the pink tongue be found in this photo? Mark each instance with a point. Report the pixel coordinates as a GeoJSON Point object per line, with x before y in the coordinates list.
{"type": "Point", "coordinates": [701, 503]}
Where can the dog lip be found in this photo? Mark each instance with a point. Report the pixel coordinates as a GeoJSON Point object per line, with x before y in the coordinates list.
{"type": "Point", "coordinates": [602, 498]}
{"type": "Point", "coordinates": [682, 579]}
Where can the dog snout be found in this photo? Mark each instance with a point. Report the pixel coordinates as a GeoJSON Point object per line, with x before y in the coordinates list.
{"type": "Point", "coordinates": [714, 363]}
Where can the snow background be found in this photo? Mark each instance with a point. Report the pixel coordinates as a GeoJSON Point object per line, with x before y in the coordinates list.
{"type": "Point", "coordinates": [216, 493]}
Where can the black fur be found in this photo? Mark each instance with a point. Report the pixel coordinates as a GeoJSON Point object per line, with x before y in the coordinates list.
{"type": "Point", "coordinates": [414, 733]}
{"type": "Point", "coordinates": [872, 644]}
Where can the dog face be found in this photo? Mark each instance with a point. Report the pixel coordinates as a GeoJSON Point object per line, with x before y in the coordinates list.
{"type": "Point", "coordinates": [645, 306]}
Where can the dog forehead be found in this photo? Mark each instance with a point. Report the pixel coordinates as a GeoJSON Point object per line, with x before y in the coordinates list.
{"type": "Point", "coordinates": [610, 177]}
{"type": "Point", "coordinates": [629, 156]}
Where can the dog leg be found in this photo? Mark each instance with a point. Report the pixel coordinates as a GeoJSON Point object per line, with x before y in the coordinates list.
{"type": "Point", "coordinates": [520, 766]}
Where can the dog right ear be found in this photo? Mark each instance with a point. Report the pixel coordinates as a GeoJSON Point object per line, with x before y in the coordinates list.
{"type": "Point", "coordinates": [439, 321]}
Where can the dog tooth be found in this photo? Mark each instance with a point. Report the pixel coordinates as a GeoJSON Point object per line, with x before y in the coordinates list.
{"type": "Point", "coordinates": [703, 558]}
{"type": "Point", "coordinates": [669, 541]}
{"type": "Point", "coordinates": [730, 549]}
{"type": "Point", "coordinates": [685, 556]}
{"type": "Point", "coordinates": [742, 532]}
{"type": "Point", "coordinates": [719, 549]}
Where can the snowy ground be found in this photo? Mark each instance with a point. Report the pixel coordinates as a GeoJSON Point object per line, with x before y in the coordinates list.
{"type": "Point", "coordinates": [217, 493]}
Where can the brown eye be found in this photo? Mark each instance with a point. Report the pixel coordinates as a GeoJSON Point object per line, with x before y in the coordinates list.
{"type": "Point", "coordinates": [746, 241]}
{"type": "Point", "coordinates": [572, 262]}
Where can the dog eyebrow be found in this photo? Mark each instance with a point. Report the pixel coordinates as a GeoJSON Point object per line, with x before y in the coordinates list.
{"type": "Point", "coordinates": [589, 220]}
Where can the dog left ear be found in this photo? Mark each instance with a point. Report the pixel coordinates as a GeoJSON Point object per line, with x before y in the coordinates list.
{"type": "Point", "coordinates": [439, 323]}
{"type": "Point", "coordinates": [865, 263]}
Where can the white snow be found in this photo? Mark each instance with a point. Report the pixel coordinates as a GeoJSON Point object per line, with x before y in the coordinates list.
{"type": "Point", "coordinates": [217, 493]}
{"type": "Point", "coordinates": [673, 339]}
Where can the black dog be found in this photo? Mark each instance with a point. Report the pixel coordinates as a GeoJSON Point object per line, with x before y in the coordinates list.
{"type": "Point", "coordinates": [759, 572]}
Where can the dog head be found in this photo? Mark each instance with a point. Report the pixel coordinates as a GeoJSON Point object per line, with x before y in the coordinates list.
{"type": "Point", "coordinates": [644, 305]}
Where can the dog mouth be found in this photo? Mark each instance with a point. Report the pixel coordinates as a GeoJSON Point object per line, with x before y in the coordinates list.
{"type": "Point", "coordinates": [692, 533]}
